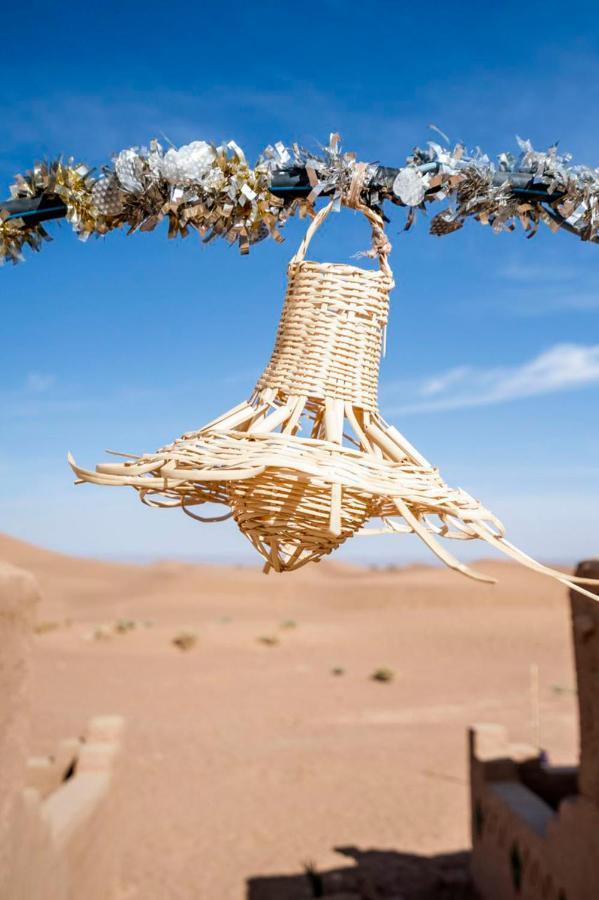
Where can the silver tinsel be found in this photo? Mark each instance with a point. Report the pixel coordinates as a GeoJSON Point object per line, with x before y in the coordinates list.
{"type": "Point", "coordinates": [213, 190]}
{"type": "Point", "coordinates": [129, 169]}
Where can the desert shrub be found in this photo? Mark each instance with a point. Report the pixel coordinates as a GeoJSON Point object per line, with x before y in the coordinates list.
{"type": "Point", "coordinates": [383, 674]}
{"type": "Point", "coordinates": [44, 627]}
{"type": "Point", "coordinates": [102, 633]}
{"type": "Point", "coordinates": [269, 640]}
{"type": "Point", "coordinates": [185, 640]}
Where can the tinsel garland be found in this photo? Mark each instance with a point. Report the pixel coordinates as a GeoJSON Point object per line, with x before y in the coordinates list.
{"type": "Point", "coordinates": [14, 234]}
{"type": "Point", "coordinates": [212, 190]}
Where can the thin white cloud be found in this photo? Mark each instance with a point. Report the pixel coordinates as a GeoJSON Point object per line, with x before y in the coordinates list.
{"type": "Point", "coordinates": [37, 397]}
{"type": "Point", "coordinates": [560, 368]}
{"type": "Point", "coordinates": [93, 126]}
{"type": "Point", "coordinates": [546, 300]}
{"type": "Point", "coordinates": [440, 384]}
{"type": "Point", "coordinates": [530, 273]}
{"type": "Point", "coordinates": [38, 382]}
{"type": "Point", "coordinates": [571, 301]}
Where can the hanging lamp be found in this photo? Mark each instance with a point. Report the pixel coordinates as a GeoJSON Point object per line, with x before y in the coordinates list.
{"type": "Point", "coordinates": [307, 461]}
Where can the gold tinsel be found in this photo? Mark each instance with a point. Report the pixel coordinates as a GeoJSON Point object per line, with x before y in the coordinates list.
{"type": "Point", "coordinates": [13, 237]}
{"type": "Point", "coordinates": [70, 182]}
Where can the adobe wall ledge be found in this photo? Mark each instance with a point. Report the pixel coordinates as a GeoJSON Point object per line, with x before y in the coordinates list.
{"type": "Point", "coordinates": [540, 844]}
{"type": "Point", "coordinates": [535, 829]}
{"type": "Point", "coordinates": [61, 828]}
{"type": "Point", "coordinates": [65, 838]}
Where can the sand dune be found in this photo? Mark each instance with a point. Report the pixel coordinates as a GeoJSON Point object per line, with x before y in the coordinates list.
{"type": "Point", "coordinates": [246, 757]}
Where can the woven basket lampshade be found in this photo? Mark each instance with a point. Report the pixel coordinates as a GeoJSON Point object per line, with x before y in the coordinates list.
{"type": "Point", "coordinates": [307, 461]}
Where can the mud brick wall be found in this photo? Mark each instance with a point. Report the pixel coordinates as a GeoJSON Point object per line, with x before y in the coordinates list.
{"type": "Point", "coordinates": [60, 816]}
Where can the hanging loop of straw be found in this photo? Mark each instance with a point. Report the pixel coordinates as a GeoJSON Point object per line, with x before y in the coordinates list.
{"type": "Point", "coordinates": [381, 247]}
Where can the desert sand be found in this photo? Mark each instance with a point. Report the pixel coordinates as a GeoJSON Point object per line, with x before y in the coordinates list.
{"type": "Point", "coordinates": [247, 756]}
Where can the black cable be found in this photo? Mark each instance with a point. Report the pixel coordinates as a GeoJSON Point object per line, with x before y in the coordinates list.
{"type": "Point", "coordinates": [291, 184]}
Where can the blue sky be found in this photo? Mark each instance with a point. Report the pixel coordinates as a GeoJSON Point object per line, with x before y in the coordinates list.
{"type": "Point", "coordinates": [492, 367]}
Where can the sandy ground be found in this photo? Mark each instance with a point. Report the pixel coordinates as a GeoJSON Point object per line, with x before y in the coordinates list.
{"type": "Point", "coordinates": [246, 759]}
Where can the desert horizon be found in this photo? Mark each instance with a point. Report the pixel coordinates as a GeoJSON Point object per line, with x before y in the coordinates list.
{"type": "Point", "coordinates": [260, 732]}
